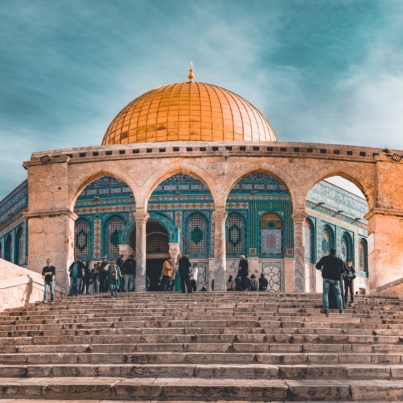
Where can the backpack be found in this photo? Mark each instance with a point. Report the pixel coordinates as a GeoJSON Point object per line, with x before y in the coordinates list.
{"type": "Point", "coordinates": [253, 284]}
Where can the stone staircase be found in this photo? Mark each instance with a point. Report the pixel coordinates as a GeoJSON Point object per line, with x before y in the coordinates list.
{"type": "Point", "coordinates": [217, 346]}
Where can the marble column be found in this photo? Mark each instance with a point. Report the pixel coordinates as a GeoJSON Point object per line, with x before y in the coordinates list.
{"type": "Point", "coordinates": [219, 217]}
{"type": "Point", "coordinates": [299, 217]}
{"type": "Point", "coordinates": [141, 218]}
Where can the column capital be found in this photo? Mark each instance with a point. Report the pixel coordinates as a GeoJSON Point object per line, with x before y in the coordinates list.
{"type": "Point", "coordinates": [141, 216]}
{"type": "Point", "coordinates": [51, 213]}
{"type": "Point", "coordinates": [299, 216]}
{"type": "Point", "coordinates": [383, 211]}
{"type": "Point", "coordinates": [220, 215]}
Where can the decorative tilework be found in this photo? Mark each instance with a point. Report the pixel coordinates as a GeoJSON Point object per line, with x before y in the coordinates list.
{"type": "Point", "coordinates": [272, 272]}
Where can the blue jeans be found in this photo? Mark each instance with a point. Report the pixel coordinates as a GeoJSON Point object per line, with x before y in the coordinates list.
{"type": "Point", "coordinates": [129, 282]}
{"type": "Point", "coordinates": [75, 285]}
{"type": "Point", "coordinates": [47, 285]}
{"type": "Point", "coordinates": [113, 286]}
{"type": "Point", "coordinates": [327, 282]}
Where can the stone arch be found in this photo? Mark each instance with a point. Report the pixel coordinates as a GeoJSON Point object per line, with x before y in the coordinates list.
{"type": "Point", "coordinates": [262, 167]}
{"type": "Point", "coordinates": [159, 176]}
{"type": "Point", "coordinates": [362, 179]}
{"type": "Point", "coordinates": [77, 185]}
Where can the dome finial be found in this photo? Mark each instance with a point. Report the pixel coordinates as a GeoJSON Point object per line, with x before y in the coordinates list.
{"type": "Point", "coordinates": [191, 76]}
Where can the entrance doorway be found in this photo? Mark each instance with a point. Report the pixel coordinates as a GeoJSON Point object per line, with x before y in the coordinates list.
{"type": "Point", "coordinates": [157, 251]}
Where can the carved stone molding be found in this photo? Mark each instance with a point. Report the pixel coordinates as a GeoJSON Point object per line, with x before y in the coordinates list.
{"type": "Point", "coordinates": [219, 216]}
{"type": "Point", "coordinates": [299, 216]}
{"type": "Point", "coordinates": [141, 216]}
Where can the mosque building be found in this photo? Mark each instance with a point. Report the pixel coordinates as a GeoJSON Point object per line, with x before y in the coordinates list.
{"type": "Point", "coordinates": [259, 207]}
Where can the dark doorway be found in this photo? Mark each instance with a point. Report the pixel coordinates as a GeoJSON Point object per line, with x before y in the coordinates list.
{"type": "Point", "coordinates": [153, 270]}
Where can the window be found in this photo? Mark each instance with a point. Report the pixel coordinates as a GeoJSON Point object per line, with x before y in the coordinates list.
{"type": "Point", "coordinates": [157, 243]}
{"type": "Point", "coordinates": [271, 234]}
{"type": "Point", "coordinates": [362, 256]}
{"type": "Point", "coordinates": [20, 252]}
{"type": "Point", "coordinates": [7, 248]}
{"type": "Point", "coordinates": [81, 238]}
{"type": "Point", "coordinates": [113, 236]}
{"type": "Point", "coordinates": [346, 247]}
{"type": "Point", "coordinates": [235, 235]}
{"type": "Point", "coordinates": [326, 241]}
{"type": "Point", "coordinates": [309, 241]}
{"type": "Point", "coordinates": [197, 234]}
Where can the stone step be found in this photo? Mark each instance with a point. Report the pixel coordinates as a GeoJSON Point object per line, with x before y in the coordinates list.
{"type": "Point", "coordinates": [198, 356]}
{"type": "Point", "coordinates": [239, 371]}
{"type": "Point", "coordinates": [114, 388]}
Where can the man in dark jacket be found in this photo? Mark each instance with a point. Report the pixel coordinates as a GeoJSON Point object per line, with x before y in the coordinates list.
{"type": "Point", "coordinates": [243, 271]}
{"type": "Point", "coordinates": [103, 273]}
{"type": "Point", "coordinates": [129, 270]}
{"type": "Point", "coordinates": [77, 272]}
{"type": "Point", "coordinates": [184, 266]}
{"type": "Point", "coordinates": [332, 268]}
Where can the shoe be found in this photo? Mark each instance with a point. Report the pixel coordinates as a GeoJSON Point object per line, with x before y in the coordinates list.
{"type": "Point", "coordinates": [351, 303]}
{"type": "Point", "coordinates": [70, 295]}
{"type": "Point", "coordinates": [325, 312]}
{"type": "Point", "coordinates": [45, 302]}
{"type": "Point", "coordinates": [341, 311]}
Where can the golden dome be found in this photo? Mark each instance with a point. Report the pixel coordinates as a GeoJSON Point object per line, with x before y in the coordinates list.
{"type": "Point", "coordinates": [188, 111]}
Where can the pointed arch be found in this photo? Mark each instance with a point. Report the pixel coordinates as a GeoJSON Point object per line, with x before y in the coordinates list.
{"type": "Point", "coordinates": [271, 235]}
{"type": "Point", "coordinates": [197, 235]}
{"type": "Point", "coordinates": [347, 246]}
{"type": "Point", "coordinates": [19, 246]}
{"type": "Point", "coordinates": [309, 233]}
{"type": "Point", "coordinates": [83, 245]}
{"type": "Point", "coordinates": [112, 230]}
{"type": "Point", "coordinates": [7, 248]}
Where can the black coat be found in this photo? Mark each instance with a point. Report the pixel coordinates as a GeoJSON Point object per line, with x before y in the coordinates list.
{"type": "Point", "coordinates": [333, 267]}
{"type": "Point", "coordinates": [243, 267]}
{"type": "Point", "coordinates": [81, 269]}
{"type": "Point", "coordinates": [129, 266]}
{"type": "Point", "coordinates": [184, 264]}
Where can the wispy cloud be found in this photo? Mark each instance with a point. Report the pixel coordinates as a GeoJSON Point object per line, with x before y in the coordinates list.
{"type": "Point", "coordinates": [320, 71]}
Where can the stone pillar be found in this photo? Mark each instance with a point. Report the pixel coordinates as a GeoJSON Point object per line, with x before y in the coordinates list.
{"type": "Point", "coordinates": [385, 251]}
{"type": "Point", "coordinates": [141, 218]}
{"type": "Point", "coordinates": [51, 235]}
{"type": "Point", "coordinates": [299, 217]}
{"type": "Point", "coordinates": [219, 217]}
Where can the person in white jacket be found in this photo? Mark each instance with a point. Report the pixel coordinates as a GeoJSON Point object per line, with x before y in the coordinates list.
{"type": "Point", "coordinates": [194, 271]}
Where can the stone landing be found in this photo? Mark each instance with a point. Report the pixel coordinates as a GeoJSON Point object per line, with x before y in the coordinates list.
{"type": "Point", "coordinates": [202, 347]}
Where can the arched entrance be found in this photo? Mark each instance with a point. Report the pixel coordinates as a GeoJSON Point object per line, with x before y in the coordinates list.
{"type": "Point", "coordinates": [157, 251]}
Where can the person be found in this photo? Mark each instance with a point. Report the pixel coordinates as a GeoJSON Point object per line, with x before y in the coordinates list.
{"type": "Point", "coordinates": [95, 278]}
{"type": "Point", "coordinates": [49, 273]}
{"type": "Point", "coordinates": [263, 283]}
{"type": "Point", "coordinates": [184, 265]}
{"type": "Point", "coordinates": [253, 283]}
{"type": "Point", "coordinates": [243, 271]}
{"type": "Point", "coordinates": [167, 271]}
{"type": "Point", "coordinates": [177, 280]}
{"type": "Point", "coordinates": [77, 270]}
{"type": "Point", "coordinates": [332, 268]}
{"type": "Point", "coordinates": [129, 268]}
{"type": "Point", "coordinates": [231, 284]}
{"type": "Point", "coordinates": [147, 283]}
{"type": "Point", "coordinates": [238, 283]}
{"type": "Point", "coordinates": [103, 274]}
{"type": "Point", "coordinates": [120, 262]}
{"type": "Point", "coordinates": [247, 284]}
{"type": "Point", "coordinates": [114, 277]}
{"type": "Point", "coordinates": [194, 271]}
{"type": "Point", "coordinates": [86, 279]}
{"type": "Point", "coordinates": [349, 276]}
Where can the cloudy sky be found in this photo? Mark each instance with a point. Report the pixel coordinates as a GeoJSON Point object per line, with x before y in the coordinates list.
{"type": "Point", "coordinates": [322, 71]}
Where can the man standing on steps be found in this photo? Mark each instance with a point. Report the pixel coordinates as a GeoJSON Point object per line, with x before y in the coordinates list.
{"type": "Point", "coordinates": [49, 272]}
{"type": "Point", "coordinates": [243, 271]}
{"type": "Point", "coordinates": [184, 265]}
{"type": "Point", "coordinates": [332, 268]}
{"type": "Point", "coordinates": [77, 271]}
{"type": "Point", "coordinates": [103, 273]}
{"type": "Point", "coordinates": [129, 271]}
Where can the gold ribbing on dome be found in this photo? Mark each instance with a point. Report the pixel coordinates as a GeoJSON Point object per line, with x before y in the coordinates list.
{"type": "Point", "coordinates": [191, 76]}
{"type": "Point", "coordinates": [183, 112]}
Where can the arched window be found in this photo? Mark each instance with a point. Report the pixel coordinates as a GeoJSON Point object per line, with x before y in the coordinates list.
{"type": "Point", "coordinates": [19, 247]}
{"type": "Point", "coordinates": [271, 234]}
{"type": "Point", "coordinates": [197, 235]}
{"type": "Point", "coordinates": [327, 241]}
{"type": "Point", "coordinates": [81, 238]}
{"type": "Point", "coordinates": [362, 256]}
{"type": "Point", "coordinates": [113, 236]}
{"type": "Point", "coordinates": [346, 247]}
{"type": "Point", "coordinates": [157, 243]}
{"type": "Point", "coordinates": [309, 241]}
{"type": "Point", "coordinates": [7, 248]}
{"type": "Point", "coordinates": [235, 235]}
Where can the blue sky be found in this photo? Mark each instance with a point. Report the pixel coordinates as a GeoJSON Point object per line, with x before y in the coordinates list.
{"type": "Point", "coordinates": [321, 71]}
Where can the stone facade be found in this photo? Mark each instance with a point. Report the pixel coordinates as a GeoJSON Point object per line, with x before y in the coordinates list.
{"type": "Point", "coordinates": [54, 188]}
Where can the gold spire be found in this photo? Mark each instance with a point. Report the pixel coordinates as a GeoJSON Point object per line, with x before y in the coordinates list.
{"type": "Point", "coordinates": [191, 76]}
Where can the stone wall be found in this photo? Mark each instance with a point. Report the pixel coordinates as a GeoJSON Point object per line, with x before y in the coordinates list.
{"type": "Point", "coordinates": [19, 286]}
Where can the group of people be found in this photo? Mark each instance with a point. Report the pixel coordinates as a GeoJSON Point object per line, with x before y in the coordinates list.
{"type": "Point", "coordinates": [242, 282]}
{"type": "Point", "coordinates": [113, 276]}
{"type": "Point", "coordinates": [335, 274]}
{"type": "Point", "coordinates": [181, 278]}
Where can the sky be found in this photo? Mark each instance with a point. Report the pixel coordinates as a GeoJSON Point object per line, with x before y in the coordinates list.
{"type": "Point", "coordinates": [320, 71]}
